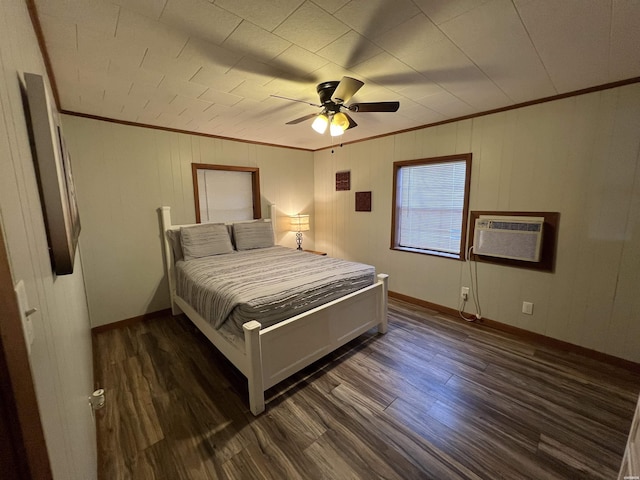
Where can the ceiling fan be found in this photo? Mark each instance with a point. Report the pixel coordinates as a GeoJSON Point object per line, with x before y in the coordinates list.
{"type": "Point", "coordinates": [333, 97]}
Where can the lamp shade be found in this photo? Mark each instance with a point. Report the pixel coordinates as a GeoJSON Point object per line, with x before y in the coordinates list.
{"type": "Point", "coordinates": [339, 123]}
{"type": "Point", "coordinates": [299, 223]}
{"type": "Point", "coordinates": [320, 123]}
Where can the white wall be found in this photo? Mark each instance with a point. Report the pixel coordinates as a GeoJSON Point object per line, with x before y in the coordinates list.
{"type": "Point", "coordinates": [124, 173]}
{"type": "Point", "coordinates": [578, 156]}
{"type": "Point", "coordinates": [61, 359]}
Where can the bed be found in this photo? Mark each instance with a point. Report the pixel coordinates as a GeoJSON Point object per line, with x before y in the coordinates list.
{"type": "Point", "coordinates": [268, 347]}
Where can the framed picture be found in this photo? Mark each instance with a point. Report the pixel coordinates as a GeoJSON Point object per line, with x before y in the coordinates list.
{"type": "Point", "coordinates": [363, 201]}
{"type": "Point", "coordinates": [343, 180]}
{"type": "Point", "coordinates": [55, 178]}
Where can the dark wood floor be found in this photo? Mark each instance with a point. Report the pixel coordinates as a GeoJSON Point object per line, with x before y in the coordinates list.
{"type": "Point", "coordinates": [434, 398]}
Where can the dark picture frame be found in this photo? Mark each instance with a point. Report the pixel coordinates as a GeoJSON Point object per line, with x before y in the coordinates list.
{"type": "Point", "coordinates": [363, 201]}
{"type": "Point", "coordinates": [55, 178]}
{"type": "Point", "coordinates": [343, 180]}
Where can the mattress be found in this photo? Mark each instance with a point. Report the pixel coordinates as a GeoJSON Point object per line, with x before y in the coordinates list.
{"type": "Point", "coordinates": [267, 285]}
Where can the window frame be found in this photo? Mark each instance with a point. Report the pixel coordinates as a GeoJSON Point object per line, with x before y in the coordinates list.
{"type": "Point", "coordinates": [397, 166]}
{"type": "Point", "coordinates": [255, 184]}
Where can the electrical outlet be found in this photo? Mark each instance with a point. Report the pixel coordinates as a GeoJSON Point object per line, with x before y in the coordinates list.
{"type": "Point", "coordinates": [464, 293]}
{"type": "Point", "coordinates": [527, 308]}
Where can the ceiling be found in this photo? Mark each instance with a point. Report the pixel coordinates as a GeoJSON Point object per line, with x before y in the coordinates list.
{"type": "Point", "coordinates": [211, 66]}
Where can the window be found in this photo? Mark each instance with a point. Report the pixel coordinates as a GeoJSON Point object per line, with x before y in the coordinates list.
{"type": "Point", "coordinates": [225, 193]}
{"type": "Point", "coordinates": [431, 202]}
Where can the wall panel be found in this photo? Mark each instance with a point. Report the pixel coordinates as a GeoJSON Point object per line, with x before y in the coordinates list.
{"type": "Point", "coordinates": [577, 156]}
{"type": "Point", "coordinates": [61, 357]}
{"type": "Point", "coordinates": [125, 173]}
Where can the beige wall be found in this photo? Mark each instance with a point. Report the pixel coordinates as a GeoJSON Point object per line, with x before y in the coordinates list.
{"type": "Point", "coordinates": [578, 156]}
{"type": "Point", "coordinates": [61, 359]}
{"type": "Point", "coordinates": [124, 173]}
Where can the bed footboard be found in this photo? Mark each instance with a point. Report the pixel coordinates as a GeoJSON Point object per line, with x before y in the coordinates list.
{"type": "Point", "coordinates": [255, 374]}
{"type": "Point", "coordinates": [279, 351]}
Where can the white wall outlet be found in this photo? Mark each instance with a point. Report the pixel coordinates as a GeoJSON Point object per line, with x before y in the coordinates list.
{"type": "Point", "coordinates": [464, 293]}
{"type": "Point", "coordinates": [527, 308]}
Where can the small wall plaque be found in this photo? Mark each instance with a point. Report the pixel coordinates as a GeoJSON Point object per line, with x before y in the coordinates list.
{"type": "Point", "coordinates": [343, 180]}
{"type": "Point", "coordinates": [363, 201]}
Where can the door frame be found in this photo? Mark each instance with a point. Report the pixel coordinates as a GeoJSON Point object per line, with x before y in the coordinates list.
{"type": "Point", "coordinates": [20, 423]}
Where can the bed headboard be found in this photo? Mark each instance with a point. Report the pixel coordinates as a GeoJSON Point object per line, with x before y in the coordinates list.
{"type": "Point", "coordinates": [165, 219]}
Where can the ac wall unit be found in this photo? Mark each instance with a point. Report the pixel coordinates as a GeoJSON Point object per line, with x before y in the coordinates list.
{"type": "Point", "coordinates": [517, 238]}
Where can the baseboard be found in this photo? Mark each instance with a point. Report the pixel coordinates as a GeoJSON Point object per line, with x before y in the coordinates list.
{"type": "Point", "coordinates": [522, 333]}
{"type": "Point", "coordinates": [130, 321]}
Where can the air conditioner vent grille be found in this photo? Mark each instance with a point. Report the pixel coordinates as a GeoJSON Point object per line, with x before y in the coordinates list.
{"type": "Point", "coordinates": [516, 226]}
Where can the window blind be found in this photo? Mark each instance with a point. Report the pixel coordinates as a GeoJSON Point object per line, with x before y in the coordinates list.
{"type": "Point", "coordinates": [430, 204]}
{"type": "Point", "coordinates": [225, 196]}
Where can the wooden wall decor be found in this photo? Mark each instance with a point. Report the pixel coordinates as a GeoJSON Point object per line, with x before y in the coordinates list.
{"type": "Point", "coordinates": [547, 261]}
{"type": "Point", "coordinates": [363, 201]}
{"type": "Point", "coordinates": [343, 180]}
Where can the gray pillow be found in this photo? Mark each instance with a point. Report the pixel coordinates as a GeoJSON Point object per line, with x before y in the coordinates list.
{"type": "Point", "coordinates": [253, 235]}
{"type": "Point", "coordinates": [174, 241]}
{"type": "Point", "coordinates": [205, 240]}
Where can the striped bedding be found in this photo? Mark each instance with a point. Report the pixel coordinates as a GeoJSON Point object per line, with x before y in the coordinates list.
{"type": "Point", "coordinates": [267, 284]}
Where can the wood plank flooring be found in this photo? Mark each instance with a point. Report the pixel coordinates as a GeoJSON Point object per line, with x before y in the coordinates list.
{"type": "Point", "coordinates": [434, 398]}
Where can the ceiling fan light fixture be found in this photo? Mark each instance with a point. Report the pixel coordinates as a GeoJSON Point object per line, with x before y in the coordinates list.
{"type": "Point", "coordinates": [339, 123]}
{"type": "Point", "coordinates": [340, 120]}
{"type": "Point", "coordinates": [320, 123]}
{"type": "Point", "coordinates": [333, 97]}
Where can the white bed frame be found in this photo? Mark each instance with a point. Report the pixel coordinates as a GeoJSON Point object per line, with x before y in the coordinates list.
{"type": "Point", "coordinates": [272, 354]}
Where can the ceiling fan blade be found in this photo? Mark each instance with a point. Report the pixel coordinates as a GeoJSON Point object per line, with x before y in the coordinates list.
{"type": "Point", "coordinates": [346, 89]}
{"type": "Point", "coordinates": [296, 100]}
{"type": "Point", "coordinates": [375, 107]}
{"type": "Point", "coordinates": [352, 123]}
{"type": "Point", "coordinates": [301, 119]}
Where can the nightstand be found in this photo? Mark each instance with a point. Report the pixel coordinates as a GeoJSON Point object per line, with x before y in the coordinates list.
{"type": "Point", "coordinates": [316, 252]}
